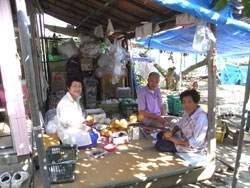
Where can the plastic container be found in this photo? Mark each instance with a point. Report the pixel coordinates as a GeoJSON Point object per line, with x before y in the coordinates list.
{"type": "Point", "coordinates": [109, 147]}
{"type": "Point", "coordinates": [110, 106]}
{"type": "Point", "coordinates": [220, 133]}
{"type": "Point", "coordinates": [61, 160]}
{"type": "Point", "coordinates": [174, 104]}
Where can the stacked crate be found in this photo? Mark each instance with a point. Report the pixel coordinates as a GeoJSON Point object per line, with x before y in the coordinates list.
{"type": "Point", "coordinates": [90, 92]}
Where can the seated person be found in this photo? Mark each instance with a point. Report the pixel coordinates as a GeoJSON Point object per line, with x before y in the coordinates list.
{"type": "Point", "coordinates": [150, 103]}
{"type": "Point", "coordinates": [189, 133]}
{"type": "Point", "coordinates": [72, 126]}
{"type": "Point", "coordinates": [194, 86]}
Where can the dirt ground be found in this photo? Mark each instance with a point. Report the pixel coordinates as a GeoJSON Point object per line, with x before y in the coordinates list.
{"type": "Point", "coordinates": [227, 96]}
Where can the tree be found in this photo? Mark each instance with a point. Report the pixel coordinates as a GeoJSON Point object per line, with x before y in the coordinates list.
{"type": "Point", "coordinates": [175, 81]}
{"type": "Point", "coordinates": [221, 4]}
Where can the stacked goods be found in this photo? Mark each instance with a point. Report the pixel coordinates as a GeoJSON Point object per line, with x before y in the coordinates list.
{"type": "Point", "coordinates": [123, 92]}
{"type": "Point", "coordinates": [128, 106]}
{"type": "Point", "coordinates": [110, 106]}
{"type": "Point", "coordinates": [116, 125]}
{"type": "Point", "coordinates": [55, 97]}
{"type": "Point", "coordinates": [73, 68]}
{"type": "Point", "coordinates": [86, 63]}
{"type": "Point", "coordinates": [108, 86]}
{"type": "Point", "coordinates": [90, 92]}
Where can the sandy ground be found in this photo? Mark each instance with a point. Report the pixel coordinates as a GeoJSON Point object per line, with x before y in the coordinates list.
{"type": "Point", "coordinates": [229, 99]}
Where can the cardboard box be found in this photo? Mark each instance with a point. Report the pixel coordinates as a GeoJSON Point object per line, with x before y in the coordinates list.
{"type": "Point", "coordinates": [59, 66]}
{"type": "Point", "coordinates": [86, 64]}
{"type": "Point", "coordinates": [120, 137]}
{"type": "Point", "coordinates": [58, 81]}
{"type": "Point", "coordinates": [108, 88]}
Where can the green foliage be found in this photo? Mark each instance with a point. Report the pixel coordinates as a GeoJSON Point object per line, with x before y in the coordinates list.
{"type": "Point", "coordinates": [140, 80]}
{"type": "Point", "coordinates": [246, 10]}
{"type": "Point", "coordinates": [221, 4]}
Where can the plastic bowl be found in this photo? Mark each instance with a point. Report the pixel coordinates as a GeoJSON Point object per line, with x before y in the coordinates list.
{"type": "Point", "coordinates": [109, 147]}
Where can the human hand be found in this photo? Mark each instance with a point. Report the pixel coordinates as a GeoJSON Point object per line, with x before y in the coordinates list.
{"type": "Point", "coordinates": [162, 120]}
{"type": "Point", "coordinates": [88, 129]}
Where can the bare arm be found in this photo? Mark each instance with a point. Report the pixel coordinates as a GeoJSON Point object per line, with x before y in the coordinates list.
{"type": "Point", "coordinates": [177, 142]}
{"type": "Point", "coordinates": [163, 111]}
{"type": "Point", "coordinates": [152, 116]}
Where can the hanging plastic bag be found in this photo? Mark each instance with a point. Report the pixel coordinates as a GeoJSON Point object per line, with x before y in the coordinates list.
{"type": "Point", "coordinates": [98, 32]}
{"type": "Point", "coordinates": [68, 49]}
{"type": "Point", "coordinates": [203, 37]}
{"type": "Point", "coordinates": [110, 28]}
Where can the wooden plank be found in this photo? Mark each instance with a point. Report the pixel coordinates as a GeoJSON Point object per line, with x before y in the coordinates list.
{"type": "Point", "coordinates": [116, 169]}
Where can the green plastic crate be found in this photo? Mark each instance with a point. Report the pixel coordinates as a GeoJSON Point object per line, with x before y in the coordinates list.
{"type": "Point", "coordinates": [174, 104]}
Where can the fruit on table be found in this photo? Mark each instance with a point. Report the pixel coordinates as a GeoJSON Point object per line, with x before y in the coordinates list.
{"type": "Point", "coordinates": [140, 117]}
{"type": "Point", "coordinates": [133, 118]}
{"type": "Point", "coordinates": [167, 135]}
{"type": "Point", "coordinates": [90, 118]}
{"type": "Point", "coordinates": [107, 121]}
{"type": "Point", "coordinates": [123, 123]}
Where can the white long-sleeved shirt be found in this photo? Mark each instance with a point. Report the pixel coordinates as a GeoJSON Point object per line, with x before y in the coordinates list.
{"type": "Point", "coordinates": [71, 129]}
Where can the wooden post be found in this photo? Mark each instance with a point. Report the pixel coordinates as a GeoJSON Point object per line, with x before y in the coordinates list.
{"type": "Point", "coordinates": [212, 69]}
{"type": "Point", "coordinates": [11, 75]}
{"type": "Point", "coordinates": [241, 135]}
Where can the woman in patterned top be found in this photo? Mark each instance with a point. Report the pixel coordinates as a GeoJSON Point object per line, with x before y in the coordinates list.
{"type": "Point", "coordinates": [189, 134]}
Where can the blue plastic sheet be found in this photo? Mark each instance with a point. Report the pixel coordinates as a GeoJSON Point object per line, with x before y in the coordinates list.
{"type": "Point", "coordinates": [233, 74]}
{"type": "Point", "coordinates": [232, 36]}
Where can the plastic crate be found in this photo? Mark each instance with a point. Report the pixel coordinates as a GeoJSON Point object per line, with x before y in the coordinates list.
{"type": "Point", "coordinates": [61, 161]}
{"type": "Point", "coordinates": [110, 108]}
{"type": "Point", "coordinates": [128, 106]}
{"type": "Point", "coordinates": [174, 104]}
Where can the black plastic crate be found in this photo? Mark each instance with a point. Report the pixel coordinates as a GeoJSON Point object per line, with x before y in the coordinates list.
{"type": "Point", "coordinates": [61, 160]}
{"type": "Point", "coordinates": [128, 106]}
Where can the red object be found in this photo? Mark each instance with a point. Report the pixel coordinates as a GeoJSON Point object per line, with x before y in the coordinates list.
{"type": "Point", "coordinates": [109, 147]}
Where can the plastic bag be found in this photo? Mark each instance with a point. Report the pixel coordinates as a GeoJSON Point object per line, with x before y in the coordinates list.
{"type": "Point", "coordinates": [68, 49]}
{"type": "Point", "coordinates": [90, 49]}
{"type": "Point", "coordinates": [117, 55]}
{"type": "Point", "coordinates": [110, 28]}
{"type": "Point", "coordinates": [98, 32]}
{"type": "Point", "coordinates": [202, 37]}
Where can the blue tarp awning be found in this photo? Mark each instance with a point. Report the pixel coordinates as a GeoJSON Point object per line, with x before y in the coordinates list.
{"type": "Point", "coordinates": [232, 36]}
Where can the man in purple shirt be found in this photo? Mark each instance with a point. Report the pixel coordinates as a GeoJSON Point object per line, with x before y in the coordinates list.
{"type": "Point", "coordinates": [150, 103]}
